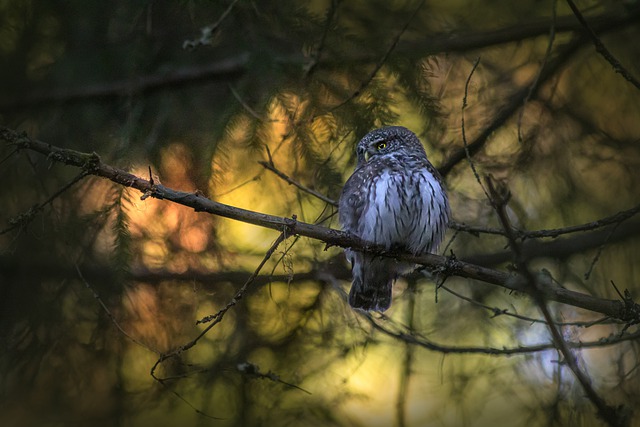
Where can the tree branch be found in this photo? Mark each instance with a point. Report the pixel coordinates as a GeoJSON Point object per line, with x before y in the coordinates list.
{"type": "Point", "coordinates": [560, 248]}
{"type": "Point", "coordinates": [216, 318]}
{"type": "Point", "coordinates": [523, 235]}
{"type": "Point", "coordinates": [226, 69]}
{"type": "Point", "coordinates": [514, 102]}
{"type": "Point", "coordinates": [627, 310]}
{"type": "Point", "coordinates": [614, 416]}
{"type": "Point", "coordinates": [601, 48]}
{"type": "Point", "coordinates": [411, 337]}
{"type": "Point", "coordinates": [270, 166]}
{"type": "Point", "coordinates": [235, 66]}
{"type": "Point", "coordinates": [466, 42]}
{"type": "Point", "coordinates": [21, 221]}
{"type": "Point", "coordinates": [529, 90]}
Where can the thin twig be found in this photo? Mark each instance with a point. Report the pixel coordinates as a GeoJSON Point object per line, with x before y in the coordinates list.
{"type": "Point", "coordinates": [405, 372]}
{"type": "Point", "coordinates": [246, 106]}
{"type": "Point", "coordinates": [25, 218]}
{"type": "Point", "coordinates": [8, 156]}
{"type": "Point", "coordinates": [111, 316]}
{"type": "Point", "coordinates": [331, 14]}
{"type": "Point", "coordinates": [250, 110]}
{"type": "Point", "coordinates": [616, 218]}
{"type": "Point", "coordinates": [382, 60]}
{"type": "Point", "coordinates": [136, 341]}
{"type": "Point", "coordinates": [242, 184]}
{"type": "Point", "coordinates": [609, 414]}
{"type": "Point", "coordinates": [464, 134]}
{"type": "Point", "coordinates": [599, 252]}
{"type": "Point", "coordinates": [272, 168]}
{"type": "Point", "coordinates": [412, 337]}
{"type": "Point", "coordinates": [505, 312]}
{"type": "Point", "coordinates": [547, 55]}
{"type": "Point", "coordinates": [216, 318]}
{"type": "Point", "coordinates": [601, 48]}
{"type": "Point", "coordinates": [513, 104]}
{"type": "Point", "coordinates": [443, 42]}
{"type": "Point", "coordinates": [223, 70]}
{"type": "Point", "coordinates": [208, 31]}
{"type": "Point", "coordinates": [253, 370]}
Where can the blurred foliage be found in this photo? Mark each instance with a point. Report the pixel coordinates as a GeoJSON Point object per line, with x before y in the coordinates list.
{"type": "Point", "coordinates": [100, 283]}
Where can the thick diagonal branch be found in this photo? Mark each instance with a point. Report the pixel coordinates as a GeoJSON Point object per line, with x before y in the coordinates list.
{"type": "Point", "coordinates": [91, 163]}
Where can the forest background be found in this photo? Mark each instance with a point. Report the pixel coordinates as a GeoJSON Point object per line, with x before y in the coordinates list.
{"type": "Point", "coordinates": [169, 175]}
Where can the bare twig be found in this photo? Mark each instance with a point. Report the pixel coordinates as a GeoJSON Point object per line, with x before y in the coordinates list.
{"type": "Point", "coordinates": [242, 184]}
{"type": "Point", "coordinates": [8, 156]}
{"type": "Point", "coordinates": [253, 370]}
{"type": "Point", "coordinates": [331, 14]}
{"type": "Point", "coordinates": [599, 252]}
{"type": "Point", "coordinates": [560, 248]}
{"type": "Point", "coordinates": [616, 218]}
{"type": "Point", "coordinates": [512, 105]}
{"type": "Point", "coordinates": [474, 229]}
{"type": "Point", "coordinates": [382, 60]}
{"type": "Point", "coordinates": [136, 341]}
{"type": "Point", "coordinates": [216, 318]}
{"type": "Point", "coordinates": [609, 414]}
{"type": "Point", "coordinates": [612, 219]}
{"type": "Point", "coordinates": [248, 108]}
{"type": "Point", "coordinates": [236, 66]}
{"type": "Point", "coordinates": [111, 316]}
{"type": "Point", "coordinates": [226, 69]}
{"type": "Point", "coordinates": [464, 133]}
{"type": "Point", "coordinates": [601, 48]}
{"type": "Point", "coordinates": [25, 218]}
{"type": "Point", "coordinates": [272, 168]}
{"type": "Point", "coordinates": [412, 337]}
{"type": "Point", "coordinates": [505, 312]}
{"type": "Point", "coordinates": [406, 368]}
{"type": "Point", "coordinates": [208, 31]}
{"type": "Point", "coordinates": [447, 42]}
{"type": "Point", "coordinates": [547, 55]}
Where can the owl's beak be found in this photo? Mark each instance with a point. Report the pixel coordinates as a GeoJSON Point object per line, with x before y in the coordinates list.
{"type": "Point", "coordinates": [367, 156]}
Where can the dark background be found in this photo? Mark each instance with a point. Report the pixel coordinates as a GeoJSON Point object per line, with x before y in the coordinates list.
{"type": "Point", "coordinates": [95, 285]}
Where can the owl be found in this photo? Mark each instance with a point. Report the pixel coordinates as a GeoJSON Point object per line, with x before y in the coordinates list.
{"type": "Point", "coordinates": [396, 199]}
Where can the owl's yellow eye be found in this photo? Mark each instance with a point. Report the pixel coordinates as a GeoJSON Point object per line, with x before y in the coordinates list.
{"type": "Point", "coordinates": [381, 146]}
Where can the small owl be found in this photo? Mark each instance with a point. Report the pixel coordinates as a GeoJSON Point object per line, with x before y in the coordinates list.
{"type": "Point", "coordinates": [395, 198]}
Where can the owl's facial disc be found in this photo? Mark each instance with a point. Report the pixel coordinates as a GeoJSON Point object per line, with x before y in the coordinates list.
{"type": "Point", "coordinates": [374, 148]}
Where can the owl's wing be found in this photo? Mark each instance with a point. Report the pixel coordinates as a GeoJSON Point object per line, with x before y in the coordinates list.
{"type": "Point", "coordinates": [352, 201]}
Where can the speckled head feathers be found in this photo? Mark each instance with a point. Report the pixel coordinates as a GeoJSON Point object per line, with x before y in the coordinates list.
{"type": "Point", "coordinates": [386, 140]}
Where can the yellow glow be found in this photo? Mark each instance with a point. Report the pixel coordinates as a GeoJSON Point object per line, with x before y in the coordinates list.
{"type": "Point", "coordinates": [194, 239]}
{"type": "Point", "coordinates": [144, 317]}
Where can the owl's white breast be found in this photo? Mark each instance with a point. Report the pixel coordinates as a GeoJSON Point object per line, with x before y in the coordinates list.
{"type": "Point", "coordinates": [409, 210]}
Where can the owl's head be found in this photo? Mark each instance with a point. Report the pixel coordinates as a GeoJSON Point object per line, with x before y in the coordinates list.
{"type": "Point", "coordinates": [388, 141]}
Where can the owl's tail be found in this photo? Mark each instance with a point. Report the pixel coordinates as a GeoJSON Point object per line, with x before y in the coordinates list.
{"type": "Point", "coordinates": [372, 282]}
